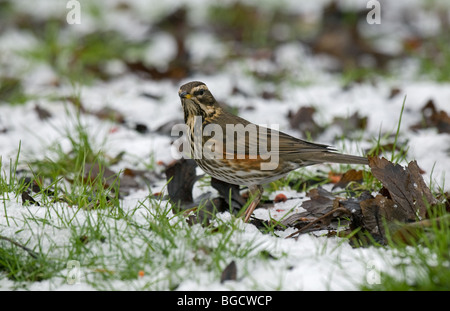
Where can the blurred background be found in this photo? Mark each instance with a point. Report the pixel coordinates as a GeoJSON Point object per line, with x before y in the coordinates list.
{"type": "Point", "coordinates": [274, 41]}
{"type": "Point", "coordinates": [331, 71]}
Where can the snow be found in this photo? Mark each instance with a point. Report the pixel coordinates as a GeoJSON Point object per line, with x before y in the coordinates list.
{"type": "Point", "coordinates": [308, 263]}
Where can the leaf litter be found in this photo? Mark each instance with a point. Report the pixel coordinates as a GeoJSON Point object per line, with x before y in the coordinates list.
{"type": "Point", "coordinates": [404, 199]}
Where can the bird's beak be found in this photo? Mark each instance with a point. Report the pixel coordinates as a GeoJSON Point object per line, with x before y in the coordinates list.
{"type": "Point", "coordinates": [185, 95]}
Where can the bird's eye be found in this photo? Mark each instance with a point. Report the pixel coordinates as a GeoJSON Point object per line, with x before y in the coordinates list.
{"type": "Point", "coordinates": [199, 93]}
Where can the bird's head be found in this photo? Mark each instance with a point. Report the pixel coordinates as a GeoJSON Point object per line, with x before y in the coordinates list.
{"type": "Point", "coordinates": [197, 100]}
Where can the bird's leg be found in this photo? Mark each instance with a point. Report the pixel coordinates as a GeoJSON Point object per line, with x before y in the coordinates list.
{"type": "Point", "coordinates": [255, 192]}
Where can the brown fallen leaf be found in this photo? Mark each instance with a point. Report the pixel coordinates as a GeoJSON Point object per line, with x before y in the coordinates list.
{"type": "Point", "coordinates": [229, 273]}
{"type": "Point", "coordinates": [43, 114]}
{"type": "Point", "coordinates": [182, 177]}
{"type": "Point", "coordinates": [432, 117]}
{"type": "Point", "coordinates": [108, 113]}
{"type": "Point", "coordinates": [405, 186]}
{"type": "Point", "coordinates": [321, 210]}
{"type": "Point", "coordinates": [303, 121]}
{"type": "Point", "coordinates": [321, 202]}
{"type": "Point", "coordinates": [378, 212]}
{"type": "Point", "coordinates": [348, 177]}
{"type": "Point", "coordinates": [399, 206]}
{"type": "Point", "coordinates": [228, 191]}
{"type": "Point", "coordinates": [28, 199]}
{"type": "Point", "coordinates": [322, 220]}
{"type": "Point", "coordinates": [175, 70]}
{"type": "Point", "coordinates": [402, 200]}
{"type": "Point", "coordinates": [394, 92]}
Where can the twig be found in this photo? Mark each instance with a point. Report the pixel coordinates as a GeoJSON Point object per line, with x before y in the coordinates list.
{"type": "Point", "coordinates": [339, 209]}
{"type": "Point", "coordinates": [29, 251]}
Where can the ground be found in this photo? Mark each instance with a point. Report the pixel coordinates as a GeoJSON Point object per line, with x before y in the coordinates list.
{"type": "Point", "coordinates": [105, 91]}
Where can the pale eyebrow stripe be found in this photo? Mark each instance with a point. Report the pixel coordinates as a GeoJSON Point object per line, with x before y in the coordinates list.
{"type": "Point", "coordinates": [200, 87]}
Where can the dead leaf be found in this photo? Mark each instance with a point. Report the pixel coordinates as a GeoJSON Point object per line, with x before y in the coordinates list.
{"type": "Point", "coordinates": [432, 117]}
{"type": "Point", "coordinates": [348, 177]}
{"type": "Point", "coordinates": [176, 70]}
{"type": "Point", "coordinates": [378, 212]}
{"type": "Point", "coordinates": [28, 199]}
{"type": "Point", "coordinates": [183, 176]}
{"type": "Point", "coordinates": [229, 273]}
{"type": "Point", "coordinates": [394, 92]}
{"type": "Point", "coordinates": [303, 121]}
{"type": "Point", "coordinates": [270, 95]}
{"type": "Point", "coordinates": [227, 191]}
{"type": "Point", "coordinates": [405, 186]}
{"type": "Point", "coordinates": [42, 113]}
{"type": "Point", "coordinates": [321, 202]}
{"type": "Point", "coordinates": [320, 211]}
{"type": "Point", "coordinates": [108, 113]}
{"type": "Point", "coordinates": [323, 221]}
{"type": "Point", "coordinates": [402, 200]}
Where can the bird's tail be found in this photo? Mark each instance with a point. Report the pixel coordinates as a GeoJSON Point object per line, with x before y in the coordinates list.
{"type": "Point", "coordinates": [334, 157]}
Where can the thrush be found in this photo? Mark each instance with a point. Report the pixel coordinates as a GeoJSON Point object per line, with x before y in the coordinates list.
{"type": "Point", "coordinates": [236, 151]}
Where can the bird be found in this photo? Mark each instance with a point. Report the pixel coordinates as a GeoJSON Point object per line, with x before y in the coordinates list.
{"type": "Point", "coordinates": [243, 153]}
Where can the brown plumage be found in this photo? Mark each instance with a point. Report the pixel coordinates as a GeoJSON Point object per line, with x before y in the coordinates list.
{"type": "Point", "coordinates": [245, 153]}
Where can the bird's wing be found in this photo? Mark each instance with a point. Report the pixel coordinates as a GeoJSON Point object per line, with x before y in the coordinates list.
{"type": "Point", "coordinates": [242, 139]}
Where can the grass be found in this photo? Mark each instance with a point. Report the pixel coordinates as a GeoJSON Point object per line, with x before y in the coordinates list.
{"type": "Point", "coordinates": [144, 244]}
{"type": "Point", "coordinates": [111, 242]}
{"type": "Point", "coordinates": [82, 58]}
{"type": "Point", "coordinates": [426, 260]}
{"type": "Point", "coordinates": [434, 58]}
